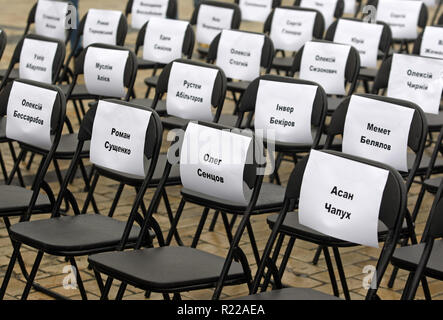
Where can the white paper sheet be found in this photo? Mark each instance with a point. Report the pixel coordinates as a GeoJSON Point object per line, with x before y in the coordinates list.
{"type": "Point", "coordinates": [211, 21]}
{"type": "Point", "coordinates": [143, 10]}
{"type": "Point", "coordinates": [101, 26]}
{"type": "Point", "coordinates": [36, 60]}
{"type": "Point", "coordinates": [255, 10]}
{"type": "Point", "coordinates": [50, 19]}
{"type": "Point", "coordinates": [432, 42]}
{"type": "Point", "coordinates": [326, 7]}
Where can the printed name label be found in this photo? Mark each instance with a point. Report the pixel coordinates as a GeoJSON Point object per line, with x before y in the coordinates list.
{"type": "Point", "coordinates": [291, 29]}
{"type": "Point", "coordinates": [401, 16]}
{"type": "Point", "coordinates": [101, 27]}
{"type": "Point", "coordinates": [143, 10]}
{"type": "Point", "coordinates": [341, 198]}
{"type": "Point", "coordinates": [239, 54]}
{"type": "Point", "coordinates": [417, 79]}
{"type": "Point", "coordinates": [190, 91]}
{"type": "Point", "coordinates": [255, 10]}
{"type": "Point", "coordinates": [36, 60]}
{"type": "Point", "coordinates": [325, 63]}
{"type": "Point", "coordinates": [211, 21]}
{"type": "Point", "coordinates": [432, 42]}
{"type": "Point", "coordinates": [118, 138]}
{"type": "Point", "coordinates": [326, 7]}
{"type": "Point", "coordinates": [285, 108]}
{"type": "Point", "coordinates": [378, 130]}
{"type": "Point", "coordinates": [29, 114]}
{"type": "Point", "coordinates": [50, 19]}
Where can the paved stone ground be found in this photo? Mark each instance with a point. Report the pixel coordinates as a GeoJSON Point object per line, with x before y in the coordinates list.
{"type": "Point", "coordinates": [300, 271]}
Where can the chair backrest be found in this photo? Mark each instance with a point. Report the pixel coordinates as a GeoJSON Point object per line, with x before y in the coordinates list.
{"type": "Point", "coordinates": [329, 9]}
{"type": "Point", "coordinates": [411, 77]}
{"type": "Point", "coordinates": [291, 33]}
{"type": "Point", "coordinates": [402, 16]}
{"type": "Point", "coordinates": [351, 32]}
{"type": "Point", "coordinates": [429, 43]}
{"type": "Point", "coordinates": [241, 60]}
{"type": "Point", "coordinates": [274, 107]}
{"type": "Point", "coordinates": [35, 114]}
{"type": "Point", "coordinates": [49, 18]}
{"type": "Point", "coordinates": [371, 135]}
{"type": "Point", "coordinates": [349, 72]}
{"type": "Point", "coordinates": [440, 20]}
{"type": "Point", "coordinates": [3, 42]}
{"type": "Point", "coordinates": [185, 37]}
{"type": "Point", "coordinates": [194, 89]}
{"type": "Point", "coordinates": [40, 59]}
{"type": "Point", "coordinates": [391, 211]}
{"type": "Point", "coordinates": [215, 16]}
{"type": "Point", "coordinates": [256, 10]}
{"type": "Point", "coordinates": [108, 71]}
{"type": "Point", "coordinates": [142, 10]}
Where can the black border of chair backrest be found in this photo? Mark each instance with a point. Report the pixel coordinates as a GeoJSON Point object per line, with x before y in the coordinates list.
{"type": "Point", "coordinates": [188, 40]}
{"type": "Point", "coordinates": [57, 122]}
{"type": "Point", "coordinates": [319, 22]}
{"type": "Point", "coordinates": [385, 38]}
{"type": "Point", "coordinates": [352, 65]}
{"type": "Point", "coordinates": [236, 17]}
{"type": "Point", "coordinates": [130, 72]}
{"type": "Point", "coordinates": [440, 20]}
{"type": "Point", "coordinates": [417, 132]}
{"type": "Point", "coordinates": [171, 11]}
{"type": "Point", "coordinates": [267, 54]}
{"type": "Point", "coordinates": [31, 19]}
{"type": "Point", "coordinates": [218, 92]}
{"type": "Point", "coordinates": [339, 7]}
{"type": "Point", "coordinates": [319, 109]}
{"type": "Point", "coordinates": [56, 65]}
{"type": "Point", "coordinates": [417, 44]}
{"type": "Point", "coordinates": [392, 209]}
{"type": "Point", "coordinates": [3, 41]}
{"type": "Point", "coordinates": [422, 17]}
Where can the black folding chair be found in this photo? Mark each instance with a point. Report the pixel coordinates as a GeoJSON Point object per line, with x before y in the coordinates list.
{"type": "Point", "coordinates": [151, 82]}
{"type": "Point", "coordinates": [352, 69]}
{"type": "Point", "coordinates": [203, 48]}
{"type": "Point", "coordinates": [171, 11]}
{"type": "Point", "coordinates": [292, 228]}
{"type": "Point", "coordinates": [18, 201]}
{"type": "Point", "coordinates": [84, 234]}
{"type": "Point", "coordinates": [421, 23]}
{"type": "Point", "coordinates": [367, 74]}
{"type": "Point", "coordinates": [423, 259]}
{"type": "Point", "coordinates": [392, 208]}
{"type": "Point", "coordinates": [284, 63]}
{"type": "Point", "coordinates": [239, 87]}
{"type": "Point", "coordinates": [172, 270]}
{"type": "Point", "coordinates": [3, 41]}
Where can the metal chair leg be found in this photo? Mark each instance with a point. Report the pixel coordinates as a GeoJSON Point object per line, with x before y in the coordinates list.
{"type": "Point", "coordinates": [331, 271]}
{"type": "Point", "coordinates": [32, 275]}
{"type": "Point", "coordinates": [201, 224]}
{"type": "Point", "coordinates": [341, 273]}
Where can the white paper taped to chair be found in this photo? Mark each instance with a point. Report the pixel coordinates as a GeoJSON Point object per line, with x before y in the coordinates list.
{"type": "Point", "coordinates": [417, 79]}
{"type": "Point", "coordinates": [378, 130]}
{"type": "Point", "coordinates": [325, 63]}
{"type": "Point", "coordinates": [190, 89]}
{"type": "Point", "coordinates": [212, 162]}
{"type": "Point", "coordinates": [211, 21]}
{"type": "Point", "coordinates": [285, 108]}
{"type": "Point", "coordinates": [118, 138]}
{"type": "Point", "coordinates": [164, 40]}
{"type": "Point", "coordinates": [290, 29]}
{"type": "Point", "coordinates": [365, 37]}
{"type": "Point", "coordinates": [143, 10]}
{"type": "Point", "coordinates": [29, 114]}
{"type": "Point", "coordinates": [326, 7]}
{"type": "Point", "coordinates": [50, 19]}
{"type": "Point", "coordinates": [341, 198]}
{"type": "Point", "coordinates": [349, 7]}
{"type": "Point", "coordinates": [255, 10]}
{"type": "Point", "coordinates": [101, 27]}
{"type": "Point", "coordinates": [401, 16]}
{"type": "Point", "coordinates": [432, 42]}
{"type": "Point", "coordinates": [104, 71]}
{"type": "Point", "coordinates": [36, 60]}
{"type": "Point", "coordinates": [239, 54]}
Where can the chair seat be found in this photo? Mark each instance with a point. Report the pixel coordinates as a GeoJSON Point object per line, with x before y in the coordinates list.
{"type": "Point", "coordinates": [433, 184]}
{"type": "Point", "coordinates": [231, 120]}
{"type": "Point", "coordinates": [12, 76]}
{"type": "Point", "coordinates": [145, 64]}
{"type": "Point", "coordinates": [238, 86]}
{"type": "Point", "coordinates": [68, 144]}
{"type": "Point", "coordinates": [73, 234]}
{"type": "Point", "coordinates": [290, 294]}
{"type": "Point", "coordinates": [270, 199]}
{"type": "Point", "coordinates": [435, 121]}
{"type": "Point", "coordinates": [424, 164]}
{"type": "Point", "coordinates": [161, 104]}
{"type": "Point", "coordinates": [165, 267]}
{"type": "Point", "coordinates": [368, 74]}
{"type": "Point", "coordinates": [14, 200]}
{"type": "Point", "coordinates": [333, 103]}
{"type": "Point", "coordinates": [283, 63]}
{"type": "Point", "coordinates": [79, 92]}
{"type": "Point", "coordinates": [171, 122]}
{"type": "Point", "coordinates": [409, 257]}
{"type": "Point", "coordinates": [151, 81]}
